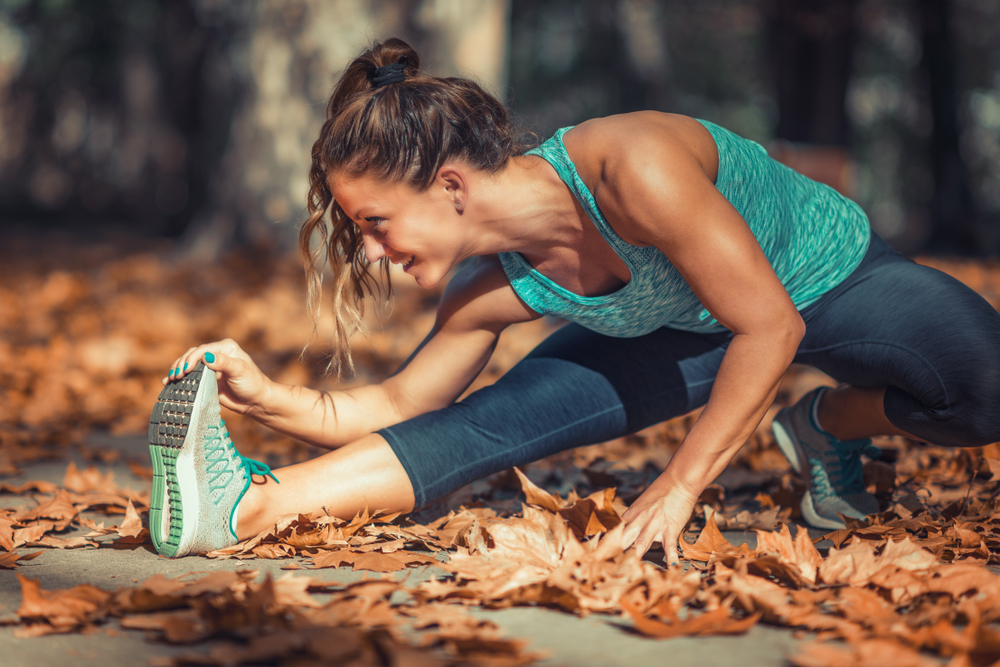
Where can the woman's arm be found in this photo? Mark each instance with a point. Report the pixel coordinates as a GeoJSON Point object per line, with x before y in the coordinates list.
{"type": "Point", "coordinates": [656, 191]}
{"type": "Point", "coordinates": [477, 305]}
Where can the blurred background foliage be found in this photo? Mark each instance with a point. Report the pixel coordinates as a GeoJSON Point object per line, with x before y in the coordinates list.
{"type": "Point", "coordinates": [193, 119]}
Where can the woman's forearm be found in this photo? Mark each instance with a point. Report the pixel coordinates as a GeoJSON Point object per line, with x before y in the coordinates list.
{"type": "Point", "coordinates": [744, 389]}
{"type": "Point", "coordinates": [326, 419]}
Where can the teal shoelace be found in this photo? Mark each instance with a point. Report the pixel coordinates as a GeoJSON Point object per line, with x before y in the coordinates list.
{"type": "Point", "coordinates": [851, 469]}
{"type": "Point", "coordinates": [219, 451]}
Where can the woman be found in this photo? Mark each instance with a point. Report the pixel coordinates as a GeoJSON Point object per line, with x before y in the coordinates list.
{"type": "Point", "coordinates": [694, 269]}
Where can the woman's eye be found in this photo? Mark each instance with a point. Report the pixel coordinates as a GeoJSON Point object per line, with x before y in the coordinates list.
{"type": "Point", "coordinates": [375, 220]}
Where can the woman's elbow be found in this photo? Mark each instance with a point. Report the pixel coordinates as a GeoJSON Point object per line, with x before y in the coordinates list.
{"type": "Point", "coordinates": [791, 332]}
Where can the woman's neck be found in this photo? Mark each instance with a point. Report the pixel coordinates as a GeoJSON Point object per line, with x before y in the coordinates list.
{"type": "Point", "coordinates": [525, 208]}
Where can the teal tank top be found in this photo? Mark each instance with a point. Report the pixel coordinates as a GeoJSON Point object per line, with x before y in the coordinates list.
{"type": "Point", "coordinates": [813, 237]}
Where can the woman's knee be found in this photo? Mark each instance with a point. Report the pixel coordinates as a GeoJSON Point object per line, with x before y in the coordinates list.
{"type": "Point", "coordinates": [966, 412]}
{"type": "Point", "coordinates": [977, 413]}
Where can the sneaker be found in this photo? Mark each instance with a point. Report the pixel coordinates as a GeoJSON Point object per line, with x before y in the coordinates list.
{"type": "Point", "coordinates": [831, 468]}
{"type": "Point", "coordinates": [198, 476]}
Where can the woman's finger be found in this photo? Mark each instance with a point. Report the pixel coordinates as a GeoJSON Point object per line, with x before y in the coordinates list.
{"type": "Point", "coordinates": [671, 547]}
{"type": "Point", "coordinates": [175, 371]}
{"type": "Point", "coordinates": [647, 536]}
{"type": "Point", "coordinates": [187, 361]}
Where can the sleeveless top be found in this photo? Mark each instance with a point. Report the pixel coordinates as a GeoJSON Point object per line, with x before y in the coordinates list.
{"type": "Point", "coordinates": [813, 236]}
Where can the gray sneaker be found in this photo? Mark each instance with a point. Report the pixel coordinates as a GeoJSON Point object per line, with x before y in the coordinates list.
{"type": "Point", "coordinates": [831, 468]}
{"type": "Point", "coordinates": [198, 476]}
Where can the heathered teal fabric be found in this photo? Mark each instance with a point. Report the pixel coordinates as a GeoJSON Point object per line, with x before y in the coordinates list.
{"type": "Point", "coordinates": [813, 237]}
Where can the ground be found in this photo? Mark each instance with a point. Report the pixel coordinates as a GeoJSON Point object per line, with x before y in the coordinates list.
{"type": "Point", "coordinates": [515, 569]}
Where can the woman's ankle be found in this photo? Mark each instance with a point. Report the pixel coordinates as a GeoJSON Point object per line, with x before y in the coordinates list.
{"type": "Point", "coordinates": [248, 512]}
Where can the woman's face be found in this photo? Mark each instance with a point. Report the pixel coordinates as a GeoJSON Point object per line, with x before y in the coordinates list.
{"type": "Point", "coordinates": [418, 230]}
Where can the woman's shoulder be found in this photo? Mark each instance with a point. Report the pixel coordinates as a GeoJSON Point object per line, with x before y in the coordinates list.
{"type": "Point", "coordinates": [603, 148]}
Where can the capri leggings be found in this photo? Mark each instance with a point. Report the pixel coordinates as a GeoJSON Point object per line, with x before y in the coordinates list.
{"type": "Point", "coordinates": [892, 323]}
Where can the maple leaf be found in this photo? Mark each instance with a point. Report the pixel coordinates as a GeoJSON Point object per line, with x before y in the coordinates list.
{"type": "Point", "coordinates": [799, 553]}
{"type": "Point", "coordinates": [711, 542]}
{"type": "Point", "coordinates": [536, 496]}
{"type": "Point", "coordinates": [132, 525]}
{"type": "Point", "coordinates": [59, 508]}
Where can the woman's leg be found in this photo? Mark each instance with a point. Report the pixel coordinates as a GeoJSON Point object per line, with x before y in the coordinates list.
{"type": "Point", "coordinates": [342, 483]}
{"type": "Point", "coordinates": [920, 351]}
{"type": "Point", "coordinates": [856, 413]}
{"type": "Point", "coordinates": [576, 388]}
{"type": "Point", "coordinates": [919, 354]}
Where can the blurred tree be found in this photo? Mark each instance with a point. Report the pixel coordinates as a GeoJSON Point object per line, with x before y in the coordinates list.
{"type": "Point", "coordinates": [119, 110]}
{"type": "Point", "coordinates": [953, 210]}
{"type": "Point", "coordinates": [811, 44]}
{"type": "Point", "coordinates": [195, 118]}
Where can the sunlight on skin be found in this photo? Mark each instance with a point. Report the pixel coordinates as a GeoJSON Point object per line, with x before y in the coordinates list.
{"type": "Point", "coordinates": [341, 483]}
{"type": "Point", "coordinates": [855, 413]}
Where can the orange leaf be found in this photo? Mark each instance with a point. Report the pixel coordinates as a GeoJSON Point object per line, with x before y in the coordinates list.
{"type": "Point", "coordinates": [132, 525]}
{"type": "Point", "coordinates": [537, 496]}
{"type": "Point", "coordinates": [714, 622]}
{"type": "Point", "coordinates": [709, 542]}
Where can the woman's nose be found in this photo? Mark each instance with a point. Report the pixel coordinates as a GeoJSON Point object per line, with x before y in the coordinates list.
{"type": "Point", "coordinates": [374, 251]}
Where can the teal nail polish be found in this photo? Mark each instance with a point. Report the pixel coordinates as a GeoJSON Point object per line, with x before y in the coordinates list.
{"type": "Point", "coordinates": [185, 366]}
{"type": "Point", "coordinates": [171, 373]}
{"type": "Point", "coordinates": [209, 357]}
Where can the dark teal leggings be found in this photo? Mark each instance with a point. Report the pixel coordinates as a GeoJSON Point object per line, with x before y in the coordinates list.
{"type": "Point", "coordinates": [892, 323]}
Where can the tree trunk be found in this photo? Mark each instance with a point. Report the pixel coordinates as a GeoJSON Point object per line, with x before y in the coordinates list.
{"type": "Point", "coordinates": [811, 45]}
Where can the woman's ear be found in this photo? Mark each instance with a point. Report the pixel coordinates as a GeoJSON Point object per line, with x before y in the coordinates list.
{"type": "Point", "coordinates": [453, 179]}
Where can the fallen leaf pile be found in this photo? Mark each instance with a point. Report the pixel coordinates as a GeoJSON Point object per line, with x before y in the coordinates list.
{"type": "Point", "coordinates": [274, 621]}
{"type": "Point", "coordinates": [84, 339]}
{"type": "Point", "coordinates": [87, 333]}
{"type": "Point", "coordinates": [60, 509]}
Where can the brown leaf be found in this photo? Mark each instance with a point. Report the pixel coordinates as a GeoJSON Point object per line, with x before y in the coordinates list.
{"type": "Point", "coordinates": [132, 525]}
{"type": "Point", "coordinates": [88, 480]}
{"type": "Point", "coordinates": [62, 610]}
{"type": "Point", "coordinates": [378, 562]}
{"type": "Point", "coordinates": [592, 515]}
{"type": "Point", "coordinates": [7, 524]}
{"type": "Point", "coordinates": [63, 543]}
{"type": "Point", "coordinates": [714, 622]}
{"type": "Point", "coordinates": [709, 542]}
{"type": "Point", "coordinates": [537, 496]}
{"type": "Point", "coordinates": [59, 508]}
{"type": "Point", "coordinates": [333, 558]}
{"type": "Point", "coordinates": [9, 561]}
{"type": "Point", "coordinates": [799, 553]}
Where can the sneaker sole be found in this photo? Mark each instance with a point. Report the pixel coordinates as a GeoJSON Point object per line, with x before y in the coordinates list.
{"type": "Point", "coordinates": [814, 518]}
{"type": "Point", "coordinates": [790, 448]}
{"type": "Point", "coordinates": [172, 444]}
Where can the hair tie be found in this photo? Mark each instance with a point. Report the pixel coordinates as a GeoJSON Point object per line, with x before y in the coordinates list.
{"type": "Point", "coordinates": [383, 76]}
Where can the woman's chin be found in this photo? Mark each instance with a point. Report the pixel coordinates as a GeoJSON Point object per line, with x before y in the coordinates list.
{"type": "Point", "coordinates": [425, 279]}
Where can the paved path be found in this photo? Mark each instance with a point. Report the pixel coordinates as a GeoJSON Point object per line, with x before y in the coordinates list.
{"type": "Point", "coordinates": [595, 641]}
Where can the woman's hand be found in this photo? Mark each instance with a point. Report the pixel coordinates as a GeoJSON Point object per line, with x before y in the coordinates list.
{"type": "Point", "coordinates": [659, 515]}
{"type": "Point", "coordinates": [242, 386]}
